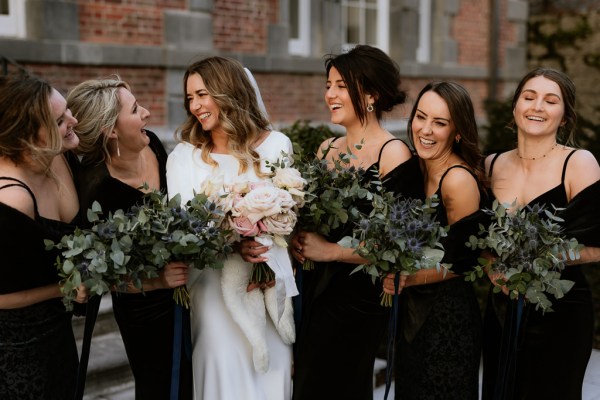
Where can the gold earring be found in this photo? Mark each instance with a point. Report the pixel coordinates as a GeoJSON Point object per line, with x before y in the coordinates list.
{"type": "Point", "coordinates": [457, 139]}
{"type": "Point", "coordinates": [118, 150]}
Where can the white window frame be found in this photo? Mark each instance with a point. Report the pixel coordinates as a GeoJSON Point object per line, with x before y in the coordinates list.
{"type": "Point", "coordinates": [13, 24]}
{"type": "Point", "coordinates": [382, 34]}
{"type": "Point", "coordinates": [424, 41]}
{"type": "Point", "coordinates": [301, 46]}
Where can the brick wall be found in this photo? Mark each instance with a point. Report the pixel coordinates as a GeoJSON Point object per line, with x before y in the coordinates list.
{"type": "Point", "coordinates": [472, 33]}
{"type": "Point", "coordinates": [242, 25]}
{"type": "Point", "coordinates": [147, 84]}
{"type": "Point", "coordinates": [124, 21]}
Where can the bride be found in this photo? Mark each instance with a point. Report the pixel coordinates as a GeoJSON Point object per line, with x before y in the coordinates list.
{"type": "Point", "coordinates": [241, 338]}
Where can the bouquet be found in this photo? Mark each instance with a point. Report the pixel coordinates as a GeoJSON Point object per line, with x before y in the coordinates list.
{"type": "Point", "coordinates": [125, 248]}
{"type": "Point", "coordinates": [335, 192]}
{"type": "Point", "coordinates": [400, 236]}
{"type": "Point", "coordinates": [264, 210]}
{"type": "Point", "coordinates": [530, 252]}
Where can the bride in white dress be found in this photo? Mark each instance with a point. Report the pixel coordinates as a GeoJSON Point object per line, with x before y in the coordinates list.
{"type": "Point", "coordinates": [241, 336]}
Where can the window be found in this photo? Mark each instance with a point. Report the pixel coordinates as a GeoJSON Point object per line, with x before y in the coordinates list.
{"type": "Point", "coordinates": [424, 42]}
{"type": "Point", "coordinates": [365, 22]}
{"type": "Point", "coordinates": [299, 43]}
{"type": "Point", "coordinates": [12, 18]}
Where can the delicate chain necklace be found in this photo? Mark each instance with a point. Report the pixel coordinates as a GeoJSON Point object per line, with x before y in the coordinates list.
{"type": "Point", "coordinates": [537, 158]}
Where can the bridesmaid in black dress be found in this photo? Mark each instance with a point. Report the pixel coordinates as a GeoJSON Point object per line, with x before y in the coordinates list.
{"type": "Point", "coordinates": [439, 343]}
{"type": "Point", "coordinates": [38, 355]}
{"type": "Point", "coordinates": [118, 157]}
{"type": "Point", "coordinates": [342, 321]}
{"type": "Point", "coordinates": [552, 349]}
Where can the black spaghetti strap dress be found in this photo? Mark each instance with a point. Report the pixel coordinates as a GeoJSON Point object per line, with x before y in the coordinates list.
{"type": "Point", "coordinates": [439, 342]}
{"type": "Point", "coordinates": [553, 349]}
{"type": "Point", "coordinates": [38, 354]}
{"type": "Point", "coordinates": [342, 321]}
{"type": "Point", "coordinates": [146, 320]}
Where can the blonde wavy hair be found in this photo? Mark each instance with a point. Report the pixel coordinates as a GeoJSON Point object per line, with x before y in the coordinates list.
{"type": "Point", "coordinates": [240, 116]}
{"type": "Point", "coordinates": [96, 105]}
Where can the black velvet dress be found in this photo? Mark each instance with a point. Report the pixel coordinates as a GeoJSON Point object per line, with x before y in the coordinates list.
{"type": "Point", "coordinates": [146, 320]}
{"type": "Point", "coordinates": [439, 341]}
{"type": "Point", "coordinates": [38, 355]}
{"type": "Point", "coordinates": [342, 321]}
{"type": "Point", "coordinates": [553, 349]}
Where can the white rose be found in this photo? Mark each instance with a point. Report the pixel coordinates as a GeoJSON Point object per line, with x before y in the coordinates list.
{"type": "Point", "coordinates": [286, 201]}
{"type": "Point", "coordinates": [289, 178]}
{"type": "Point", "coordinates": [212, 187]}
{"type": "Point", "coordinates": [262, 202]}
{"type": "Point", "coordinates": [281, 224]}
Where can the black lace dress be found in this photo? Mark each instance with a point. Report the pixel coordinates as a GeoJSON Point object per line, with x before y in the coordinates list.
{"type": "Point", "coordinates": [146, 320]}
{"type": "Point", "coordinates": [342, 322]}
{"type": "Point", "coordinates": [38, 355]}
{"type": "Point", "coordinates": [439, 341]}
{"type": "Point", "coordinates": [553, 349]}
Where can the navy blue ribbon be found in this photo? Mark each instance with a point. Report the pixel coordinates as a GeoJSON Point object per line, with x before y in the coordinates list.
{"type": "Point", "coordinates": [391, 344]}
{"type": "Point", "coordinates": [91, 314]}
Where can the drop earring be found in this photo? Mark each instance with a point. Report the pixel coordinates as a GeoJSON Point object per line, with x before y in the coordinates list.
{"type": "Point", "coordinates": [370, 108]}
{"type": "Point", "coordinates": [118, 150]}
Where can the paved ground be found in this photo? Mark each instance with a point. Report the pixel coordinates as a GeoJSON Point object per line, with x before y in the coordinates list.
{"type": "Point", "coordinates": [591, 383]}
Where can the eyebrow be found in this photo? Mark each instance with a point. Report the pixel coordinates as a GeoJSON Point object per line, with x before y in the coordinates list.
{"type": "Point", "coordinates": [436, 118]}
{"type": "Point", "coordinates": [534, 92]}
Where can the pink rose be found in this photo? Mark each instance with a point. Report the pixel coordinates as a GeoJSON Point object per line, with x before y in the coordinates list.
{"type": "Point", "coordinates": [244, 226]}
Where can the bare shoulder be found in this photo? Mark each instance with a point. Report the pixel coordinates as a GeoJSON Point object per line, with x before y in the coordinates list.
{"type": "Point", "coordinates": [326, 145]}
{"type": "Point", "coordinates": [582, 171]}
{"type": "Point", "coordinates": [459, 181]}
{"type": "Point", "coordinates": [18, 198]}
{"type": "Point", "coordinates": [393, 154]}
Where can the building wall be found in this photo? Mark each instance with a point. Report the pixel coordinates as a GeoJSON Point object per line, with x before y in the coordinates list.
{"type": "Point", "coordinates": [149, 44]}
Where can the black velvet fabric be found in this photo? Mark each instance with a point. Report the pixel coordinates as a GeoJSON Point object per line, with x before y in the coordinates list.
{"type": "Point", "coordinates": [146, 320]}
{"type": "Point", "coordinates": [342, 322]}
{"type": "Point", "coordinates": [38, 355]}
{"type": "Point", "coordinates": [552, 349]}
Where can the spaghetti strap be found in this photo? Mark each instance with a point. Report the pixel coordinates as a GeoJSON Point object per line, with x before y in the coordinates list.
{"type": "Point", "coordinates": [492, 164]}
{"type": "Point", "coordinates": [385, 144]}
{"type": "Point", "coordinates": [564, 172]}
{"type": "Point", "coordinates": [456, 166]}
{"type": "Point", "coordinates": [24, 186]}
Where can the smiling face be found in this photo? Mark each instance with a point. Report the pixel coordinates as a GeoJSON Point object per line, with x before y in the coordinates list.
{"type": "Point", "coordinates": [432, 128]}
{"type": "Point", "coordinates": [338, 99]}
{"type": "Point", "coordinates": [131, 123]}
{"type": "Point", "coordinates": [65, 122]}
{"type": "Point", "coordinates": [539, 109]}
{"type": "Point", "coordinates": [201, 103]}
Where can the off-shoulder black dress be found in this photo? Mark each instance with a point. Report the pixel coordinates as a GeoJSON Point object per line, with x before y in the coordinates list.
{"type": "Point", "coordinates": [553, 349]}
{"type": "Point", "coordinates": [38, 355]}
{"type": "Point", "coordinates": [145, 319]}
{"type": "Point", "coordinates": [342, 320]}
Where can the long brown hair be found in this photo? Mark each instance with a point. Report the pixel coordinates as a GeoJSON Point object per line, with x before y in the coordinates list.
{"type": "Point", "coordinates": [240, 116]}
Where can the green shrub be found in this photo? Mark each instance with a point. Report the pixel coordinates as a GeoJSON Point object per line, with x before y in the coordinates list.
{"type": "Point", "coordinates": [307, 137]}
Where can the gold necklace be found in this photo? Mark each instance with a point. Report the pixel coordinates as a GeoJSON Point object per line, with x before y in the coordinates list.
{"type": "Point", "coordinates": [537, 158]}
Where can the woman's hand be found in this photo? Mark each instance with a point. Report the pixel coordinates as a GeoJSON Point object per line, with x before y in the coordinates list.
{"type": "Point", "coordinates": [173, 275]}
{"type": "Point", "coordinates": [262, 286]}
{"type": "Point", "coordinates": [252, 251]}
{"type": "Point", "coordinates": [82, 294]}
{"type": "Point", "coordinates": [312, 246]}
{"type": "Point", "coordinates": [389, 285]}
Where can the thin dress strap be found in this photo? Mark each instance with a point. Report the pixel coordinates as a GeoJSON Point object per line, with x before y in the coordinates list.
{"type": "Point", "coordinates": [456, 166]}
{"type": "Point", "coordinates": [385, 144]}
{"type": "Point", "coordinates": [23, 185]}
{"type": "Point", "coordinates": [562, 180]}
{"type": "Point", "coordinates": [492, 164]}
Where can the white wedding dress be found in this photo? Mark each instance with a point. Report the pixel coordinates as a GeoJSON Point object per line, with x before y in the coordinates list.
{"type": "Point", "coordinates": [241, 342]}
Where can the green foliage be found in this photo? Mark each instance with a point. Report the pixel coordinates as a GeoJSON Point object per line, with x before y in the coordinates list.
{"type": "Point", "coordinates": [306, 137]}
{"type": "Point", "coordinates": [529, 250]}
{"type": "Point", "coordinates": [499, 136]}
{"type": "Point", "coordinates": [125, 248]}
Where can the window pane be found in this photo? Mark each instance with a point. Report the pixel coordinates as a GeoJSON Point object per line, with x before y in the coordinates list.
{"type": "Point", "coordinates": [4, 7]}
{"type": "Point", "coordinates": [371, 27]}
{"type": "Point", "coordinates": [294, 19]}
{"type": "Point", "coordinates": [353, 25]}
